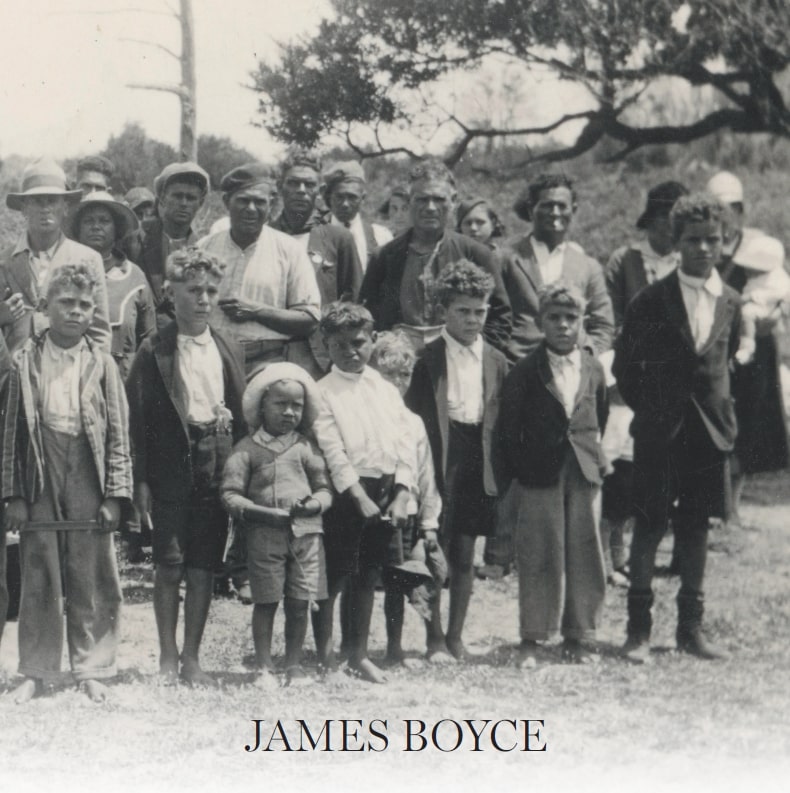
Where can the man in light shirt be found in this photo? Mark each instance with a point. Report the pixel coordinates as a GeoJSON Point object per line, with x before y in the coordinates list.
{"type": "Point", "coordinates": [269, 300]}
{"type": "Point", "coordinates": [672, 364]}
{"type": "Point", "coordinates": [344, 192]}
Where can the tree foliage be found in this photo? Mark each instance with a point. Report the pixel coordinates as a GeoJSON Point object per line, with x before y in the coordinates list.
{"type": "Point", "coordinates": [368, 64]}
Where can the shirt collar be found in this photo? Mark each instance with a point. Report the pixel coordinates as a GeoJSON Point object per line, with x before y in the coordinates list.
{"type": "Point", "coordinates": [713, 284]}
{"type": "Point", "coordinates": [201, 339]}
{"type": "Point", "coordinates": [542, 251]}
{"type": "Point", "coordinates": [23, 244]}
{"type": "Point", "coordinates": [648, 252]}
{"type": "Point", "coordinates": [352, 376]}
{"type": "Point", "coordinates": [58, 353]}
{"type": "Point", "coordinates": [263, 438]}
{"type": "Point", "coordinates": [574, 357]}
{"type": "Point", "coordinates": [455, 348]}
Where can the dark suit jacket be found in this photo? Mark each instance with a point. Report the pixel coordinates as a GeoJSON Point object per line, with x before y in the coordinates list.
{"type": "Point", "coordinates": [661, 376]}
{"type": "Point", "coordinates": [381, 286]}
{"type": "Point", "coordinates": [427, 397]}
{"type": "Point", "coordinates": [625, 278]}
{"type": "Point", "coordinates": [523, 281]}
{"type": "Point", "coordinates": [534, 434]}
{"type": "Point", "coordinates": [159, 433]}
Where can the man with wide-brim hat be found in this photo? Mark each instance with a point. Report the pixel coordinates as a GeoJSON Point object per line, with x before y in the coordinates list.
{"type": "Point", "coordinates": [27, 266]}
{"type": "Point", "coordinates": [344, 192]}
{"type": "Point", "coordinates": [180, 190]}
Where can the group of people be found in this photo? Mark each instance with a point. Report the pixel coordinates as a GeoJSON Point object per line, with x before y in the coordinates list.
{"type": "Point", "coordinates": [317, 408]}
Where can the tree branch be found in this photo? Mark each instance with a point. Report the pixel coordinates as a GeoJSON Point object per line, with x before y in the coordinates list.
{"type": "Point", "coordinates": [179, 90]}
{"type": "Point", "coordinates": [155, 45]}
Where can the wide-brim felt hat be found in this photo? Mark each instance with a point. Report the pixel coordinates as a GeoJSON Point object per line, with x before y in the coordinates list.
{"type": "Point", "coordinates": [125, 218]}
{"type": "Point", "coordinates": [273, 373]}
{"type": "Point", "coordinates": [42, 177]}
{"type": "Point", "coordinates": [660, 200]}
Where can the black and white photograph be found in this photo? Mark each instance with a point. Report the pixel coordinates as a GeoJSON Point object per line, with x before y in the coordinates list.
{"type": "Point", "coordinates": [394, 395]}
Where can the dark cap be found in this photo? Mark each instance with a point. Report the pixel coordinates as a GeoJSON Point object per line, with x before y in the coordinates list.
{"type": "Point", "coordinates": [660, 200]}
{"type": "Point", "coordinates": [248, 175]}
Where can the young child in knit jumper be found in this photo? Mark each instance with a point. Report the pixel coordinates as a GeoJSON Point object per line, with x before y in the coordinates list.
{"type": "Point", "coordinates": [276, 483]}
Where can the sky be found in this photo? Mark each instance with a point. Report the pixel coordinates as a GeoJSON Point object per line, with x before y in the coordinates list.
{"type": "Point", "coordinates": [64, 69]}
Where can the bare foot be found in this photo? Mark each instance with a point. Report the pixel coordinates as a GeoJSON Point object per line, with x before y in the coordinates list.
{"type": "Point", "coordinates": [394, 656]}
{"type": "Point", "coordinates": [194, 676]}
{"type": "Point", "coordinates": [266, 680]}
{"type": "Point", "coordinates": [413, 663]}
{"type": "Point", "coordinates": [168, 671]}
{"type": "Point", "coordinates": [367, 670]}
{"type": "Point", "coordinates": [456, 648]}
{"type": "Point", "coordinates": [527, 655]}
{"type": "Point", "coordinates": [439, 656]}
{"type": "Point", "coordinates": [296, 676]}
{"type": "Point", "coordinates": [96, 691]}
{"type": "Point", "coordinates": [25, 691]}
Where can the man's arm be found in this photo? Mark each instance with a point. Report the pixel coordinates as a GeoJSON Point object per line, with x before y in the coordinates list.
{"type": "Point", "coordinates": [598, 318]}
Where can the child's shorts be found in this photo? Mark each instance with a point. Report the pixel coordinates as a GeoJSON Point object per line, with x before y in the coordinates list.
{"type": "Point", "coordinates": [282, 564]}
{"type": "Point", "coordinates": [351, 543]}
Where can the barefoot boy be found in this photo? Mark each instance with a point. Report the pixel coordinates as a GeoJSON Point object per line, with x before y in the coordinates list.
{"type": "Point", "coordinates": [184, 392]}
{"type": "Point", "coordinates": [552, 414]}
{"type": "Point", "coordinates": [65, 452]}
{"type": "Point", "coordinates": [455, 390]}
{"type": "Point", "coordinates": [359, 430]}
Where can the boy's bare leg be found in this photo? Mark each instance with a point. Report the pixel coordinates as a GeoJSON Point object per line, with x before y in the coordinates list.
{"type": "Point", "coordinates": [393, 615]}
{"type": "Point", "coordinates": [435, 644]}
{"type": "Point", "coordinates": [262, 632]}
{"type": "Point", "coordinates": [26, 690]}
{"type": "Point", "coordinates": [323, 620]}
{"type": "Point", "coordinates": [200, 588]}
{"type": "Point", "coordinates": [166, 582]}
{"type": "Point", "coordinates": [295, 632]}
{"type": "Point", "coordinates": [362, 594]}
{"type": "Point", "coordinates": [462, 578]}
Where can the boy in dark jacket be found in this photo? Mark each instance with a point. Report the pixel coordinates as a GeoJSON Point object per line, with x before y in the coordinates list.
{"type": "Point", "coordinates": [552, 414]}
{"type": "Point", "coordinates": [184, 391]}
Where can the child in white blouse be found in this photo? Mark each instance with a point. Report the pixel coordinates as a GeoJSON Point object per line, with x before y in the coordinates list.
{"type": "Point", "coordinates": [359, 431]}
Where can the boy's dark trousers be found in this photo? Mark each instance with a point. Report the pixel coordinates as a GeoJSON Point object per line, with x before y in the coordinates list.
{"type": "Point", "coordinates": [692, 470]}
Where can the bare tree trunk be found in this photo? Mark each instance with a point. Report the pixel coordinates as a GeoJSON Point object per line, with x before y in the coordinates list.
{"type": "Point", "coordinates": [189, 95]}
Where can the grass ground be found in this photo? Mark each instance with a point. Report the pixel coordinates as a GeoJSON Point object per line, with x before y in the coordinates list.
{"type": "Point", "coordinates": [679, 724]}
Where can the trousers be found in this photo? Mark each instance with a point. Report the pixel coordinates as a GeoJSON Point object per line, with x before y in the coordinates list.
{"type": "Point", "coordinates": [75, 571]}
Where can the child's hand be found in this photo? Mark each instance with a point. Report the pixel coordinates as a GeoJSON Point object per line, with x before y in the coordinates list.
{"type": "Point", "coordinates": [431, 538]}
{"type": "Point", "coordinates": [109, 514]}
{"type": "Point", "coordinates": [306, 508]}
{"type": "Point", "coordinates": [16, 514]}
{"type": "Point", "coordinates": [398, 510]}
{"type": "Point", "coordinates": [365, 506]}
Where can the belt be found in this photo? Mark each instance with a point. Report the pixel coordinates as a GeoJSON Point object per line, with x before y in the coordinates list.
{"type": "Point", "coordinates": [198, 431]}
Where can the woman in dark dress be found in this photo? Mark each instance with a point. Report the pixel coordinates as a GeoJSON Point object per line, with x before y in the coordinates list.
{"type": "Point", "coordinates": [761, 444]}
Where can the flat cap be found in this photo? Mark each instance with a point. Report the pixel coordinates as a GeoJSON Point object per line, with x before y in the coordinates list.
{"type": "Point", "coordinates": [338, 172]}
{"type": "Point", "coordinates": [180, 171]}
{"type": "Point", "coordinates": [248, 175]}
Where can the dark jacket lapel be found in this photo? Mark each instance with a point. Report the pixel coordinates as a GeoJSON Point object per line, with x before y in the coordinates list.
{"type": "Point", "coordinates": [527, 262]}
{"type": "Point", "coordinates": [585, 375]}
{"type": "Point", "coordinates": [165, 355]}
{"type": "Point", "coordinates": [676, 308]}
{"type": "Point", "coordinates": [547, 376]}
{"type": "Point", "coordinates": [722, 316]}
{"type": "Point", "coordinates": [436, 361]}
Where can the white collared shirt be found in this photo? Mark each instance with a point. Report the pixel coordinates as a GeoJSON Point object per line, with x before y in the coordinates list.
{"type": "Point", "coordinates": [699, 298]}
{"type": "Point", "coordinates": [41, 264]}
{"type": "Point", "coordinates": [200, 368]}
{"type": "Point", "coordinates": [464, 379]}
{"type": "Point", "coordinates": [549, 262]}
{"type": "Point", "coordinates": [567, 373]}
{"type": "Point", "coordinates": [360, 428]}
{"type": "Point", "coordinates": [60, 386]}
{"type": "Point", "coordinates": [656, 266]}
{"type": "Point", "coordinates": [381, 234]}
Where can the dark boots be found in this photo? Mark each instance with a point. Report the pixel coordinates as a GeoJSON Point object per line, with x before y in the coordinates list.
{"type": "Point", "coordinates": [640, 622]}
{"type": "Point", "coordinates": [691, 606]}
